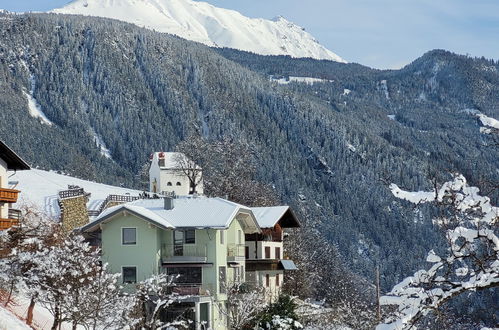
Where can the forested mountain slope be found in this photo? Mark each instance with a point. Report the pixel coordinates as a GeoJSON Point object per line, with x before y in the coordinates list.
{"type": "Point", "coordinates": [114, 93]}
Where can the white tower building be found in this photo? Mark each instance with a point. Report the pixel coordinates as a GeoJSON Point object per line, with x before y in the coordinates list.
{"type": "Point", "coordinates": [174, 172]}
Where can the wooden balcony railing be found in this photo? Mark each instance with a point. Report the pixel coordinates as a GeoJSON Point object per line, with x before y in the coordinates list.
{"type": "Point", "coordinates": [8, 195]}
{"type": "Point", "coordinates": [7, 223]}
{"type": "Point", "coordinates": [12, 220]}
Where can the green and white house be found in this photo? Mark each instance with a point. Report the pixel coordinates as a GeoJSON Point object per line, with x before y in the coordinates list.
{"type": "Point", "coordinates": [201, 239]}
{"type": "Point", "coordinates": [208, 242]}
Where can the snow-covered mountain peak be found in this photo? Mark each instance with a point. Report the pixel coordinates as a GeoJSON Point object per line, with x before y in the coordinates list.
{"type": "Point", "coordinates": [207, 24]}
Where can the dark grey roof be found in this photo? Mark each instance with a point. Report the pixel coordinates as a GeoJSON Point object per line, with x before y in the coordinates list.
{"type": "Point", "coordinates": [14, 162]}
{"type": "Point", "coordinates": [288, 264]}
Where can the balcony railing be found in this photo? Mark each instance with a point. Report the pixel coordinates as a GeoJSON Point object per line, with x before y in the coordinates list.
{"type": "Point", "coordinates": [14, 214]}
{"type": "Point", "coordinates": [183, 253]}
{"type": "Point", "coordinates": [236, 252]}
{"type": "Point", "coordinates": [12, 220]}
{"type": "Point", "coordinates": [192, 289]}
{"type": "Point", "coordinates": [8, 195]}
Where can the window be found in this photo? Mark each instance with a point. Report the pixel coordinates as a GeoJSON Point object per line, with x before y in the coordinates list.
{"type": "Point", "coordinates": [239, 237]}
{"type": "Point", "coordinates": [190, 236]}
{"type": "Point", "coordinates": [222, 237]}
{"type": "Point", "coordinates": [277, 280]}
{"type": "Point", "coordinates": [237, 275]}
{"type": "Point", "coordinates": [181, 237]}
{"type": "Point", "coordinates": [222, 279]}
{"type": "Point", "coordinates": [267, 252]}
{"type": "Point", "coordinates": [246, 252]}
{"type": "Point", "coordinates": [242, 274]}
{"type": "Point", "coordinates": [161, 162]}
{"type": "Point", "coordinates": [267, 280]}
{"type": "Point", "coordinates": [169, 184]}
{"type": "Point", "coordinates": [129, 236]}
{"type": "Point", "coordinates": [129, 274]}
{"type": "Point", "coordinates": [178, 183]}
{"type": "Point", "coordinates": [278, 253]}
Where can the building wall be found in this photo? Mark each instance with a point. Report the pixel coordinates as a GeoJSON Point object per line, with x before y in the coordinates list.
{"type": "Point", "coordinates": [4, 183]}
{"type": "Point", "coordinates": [272, 290]}
{"type": "Point", "coordinates": [160, 177]}
{"type": "Point", "coordinates": [258, 251]}
{"type": "Point", "coordinates": [145, 255]}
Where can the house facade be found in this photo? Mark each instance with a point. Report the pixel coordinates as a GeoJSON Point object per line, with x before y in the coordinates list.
{"type": "Point", "coordinates": [264, 252]}
{"type": "Point", "coordinates": [9, 161]}
{"type": "Point", "coordinates": [199, 239]}
{"type": "Point", "coordinates": [173, 172]}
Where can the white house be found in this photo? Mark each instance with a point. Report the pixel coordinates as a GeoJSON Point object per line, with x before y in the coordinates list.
{"type": "Point", "coordinates": [9, 161]}
{"type": "Point", "coordinates": [174, 172]}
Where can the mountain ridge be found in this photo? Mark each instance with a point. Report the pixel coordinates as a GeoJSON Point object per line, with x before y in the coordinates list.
{"type": "Point", "coordinates": [207, 24]}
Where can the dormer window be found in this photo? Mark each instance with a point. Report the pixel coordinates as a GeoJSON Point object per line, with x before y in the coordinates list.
{"type": "Point", "coordinates": [179, 184]}
{"type": "Point", "coordinates": [169, 184]}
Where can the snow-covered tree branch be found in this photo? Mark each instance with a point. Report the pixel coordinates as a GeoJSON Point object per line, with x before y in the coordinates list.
{"type": "Point", "coordinates": [244, 302]}
{"type": "Point", "coordinates": [471, 263]}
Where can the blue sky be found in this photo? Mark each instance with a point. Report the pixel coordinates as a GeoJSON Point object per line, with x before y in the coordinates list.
{"type": "Point", "coordinates": [378, 33]}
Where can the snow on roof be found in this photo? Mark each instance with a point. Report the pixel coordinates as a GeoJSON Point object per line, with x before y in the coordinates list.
{"type": "Point", "coordinates": [41, 188]}
{"type": "Point", "coordinates": [267, 217]}
{"type": "Point", "coordinates": [199, 212]}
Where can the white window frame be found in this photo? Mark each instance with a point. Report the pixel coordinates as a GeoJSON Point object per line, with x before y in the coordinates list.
{"type": "Point", "coordinates": [136, 273]}
{"type": "Point", "coordinates": [136, 236]}
{"type": "Point", "coordinates": [222, 237]}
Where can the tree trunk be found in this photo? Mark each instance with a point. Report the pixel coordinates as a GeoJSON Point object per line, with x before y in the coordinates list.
{"type": "Point", "coordinates": [29, 318]}
{"type": "Point", "coordinates": [9, 296]}
{"type": "Point", "coordinates": [75, 325]}
{"type": "Point", "coordinates": [56, 319]}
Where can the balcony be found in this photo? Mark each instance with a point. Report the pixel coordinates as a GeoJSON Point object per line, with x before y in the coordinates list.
{"type": "Point", "coordinates": [183, 253]}
{"type": "Point", "coordinates": [12, 220]}
{"type": "Point", "coordinates": [192, 289]}
{"type": "Point", "coordinates": [236, 253]}
{"type": "Point", "coordinates": [8, 195]}
{"type": "Point", "coordinates": [262, 265]}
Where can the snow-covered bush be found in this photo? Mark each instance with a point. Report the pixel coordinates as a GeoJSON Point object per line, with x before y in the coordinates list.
{"type": "Point", "coordinates": [280, 315]}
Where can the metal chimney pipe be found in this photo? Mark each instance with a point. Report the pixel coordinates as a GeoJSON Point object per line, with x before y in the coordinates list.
{"type": "Point", "coordinates": [169, 203]}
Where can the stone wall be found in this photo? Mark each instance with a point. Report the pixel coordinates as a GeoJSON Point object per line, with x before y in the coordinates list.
{"type": "Point", "coordinates": [74, 212]}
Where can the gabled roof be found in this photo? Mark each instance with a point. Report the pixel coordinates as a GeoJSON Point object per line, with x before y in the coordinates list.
{"type": "Point", "coordinates": [14, 162]}
{"type": "Point", "coordinates": [268, 217]}
{"type": "Point", "coordinates": [199, 213]}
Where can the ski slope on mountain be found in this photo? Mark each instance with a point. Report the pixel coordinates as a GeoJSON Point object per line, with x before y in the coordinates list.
{"type": "Point", "coordinates": [204, 23]}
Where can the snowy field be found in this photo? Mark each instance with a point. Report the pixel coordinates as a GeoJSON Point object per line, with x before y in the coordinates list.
{"type": "Point", "coordinates": [40, 188]}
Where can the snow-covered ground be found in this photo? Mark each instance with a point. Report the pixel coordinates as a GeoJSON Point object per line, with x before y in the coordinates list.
{"type": "Point", "coordinates": [489, 123]}
{"type": "Point", "coordinates": [104, 150]}
{"type": "Point", "coordinates": [9, 321]}
{"type": "Point", "coordinates": [290, 79]}
{"type": "Point", "coordinates": [40, 188]}
{"type": "Point", "coordinates": [204, 23]}
{"type": "Point", "coordinates": [35, 110]}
